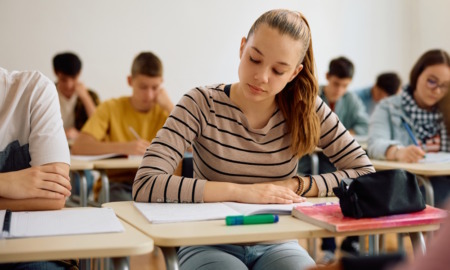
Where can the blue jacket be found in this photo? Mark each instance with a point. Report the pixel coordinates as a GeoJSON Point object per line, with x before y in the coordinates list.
{"type": "Point", "coordinates": [366, 97]}
{"type": "Point", "coordinates": [351, 112]}
{"type": "Point", "coordinates": [386, 128]}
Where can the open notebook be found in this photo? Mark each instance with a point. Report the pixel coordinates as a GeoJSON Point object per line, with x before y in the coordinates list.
{"type": "Point", "coordinates": [182, 212]}
{"type": "Point", "coordinates": [59, 222]}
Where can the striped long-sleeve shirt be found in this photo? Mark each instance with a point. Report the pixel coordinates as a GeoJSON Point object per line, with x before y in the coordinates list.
{"type": "Point", "coordinates": [227, 149]}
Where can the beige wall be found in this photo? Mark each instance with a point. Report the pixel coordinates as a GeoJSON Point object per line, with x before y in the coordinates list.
{"type": "Point", "coordinates": [198, 40]}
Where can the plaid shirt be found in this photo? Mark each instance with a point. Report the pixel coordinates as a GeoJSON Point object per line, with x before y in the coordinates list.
{"type": "Point", "coordinates": [428, 125]}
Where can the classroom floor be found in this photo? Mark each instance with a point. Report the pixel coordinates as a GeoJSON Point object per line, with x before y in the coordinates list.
{"type": "Point", "coordinates": [155, 260]}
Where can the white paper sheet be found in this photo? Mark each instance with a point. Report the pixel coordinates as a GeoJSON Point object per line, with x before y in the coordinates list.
{"type": "Point", "coordinates": [436, 157]}
{"type": "Point", "coordinates": [64, 222]}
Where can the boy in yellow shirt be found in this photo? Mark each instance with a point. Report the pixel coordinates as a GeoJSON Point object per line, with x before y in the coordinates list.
{"type": "Point", "coordinates": [111, 129]}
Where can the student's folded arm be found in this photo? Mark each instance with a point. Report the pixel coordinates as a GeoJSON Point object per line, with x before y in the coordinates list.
{"type": "Point", "coordinates": [154, 181]}
{"type": "Point", "coordinates": [342, 150]}
{"type": "Point", "coordinates": [32, 204]}
{"type": "Point", "coordinates": [380, 137]}
{"type": "Point", "coordinates": [26, 192]}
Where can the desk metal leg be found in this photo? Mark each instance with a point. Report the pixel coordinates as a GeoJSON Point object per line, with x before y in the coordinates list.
{"type": "Point", "coordinates": [374, 244]}
{"type": "Point", "coordinates": [171, 258]}
{"type": "Point", "coordinates": [429, 193]}
{"type": "Point", "coordinates": [400, 243]}
{"type": "Point", "coordinates": [83, 189]}
{"type": "Point", "coordinates": [418, 242]}
{"type": "Point", "coordinates": [314, 163]}
{"type": "Point", "coordinates": [105, 187]}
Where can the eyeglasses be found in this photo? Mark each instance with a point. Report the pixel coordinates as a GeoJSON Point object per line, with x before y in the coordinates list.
{"type": "Point", "coordinates": [433, 84]}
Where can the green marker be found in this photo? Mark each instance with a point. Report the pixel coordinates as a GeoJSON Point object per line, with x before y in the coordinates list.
{"type": "Point", "coordinates": [253, 219]}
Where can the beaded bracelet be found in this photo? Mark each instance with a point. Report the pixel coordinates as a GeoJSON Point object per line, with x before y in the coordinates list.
{"type": "Point", "coordinates": [310, 185]}
{"type": "Point", "coordinates": [300, 184]}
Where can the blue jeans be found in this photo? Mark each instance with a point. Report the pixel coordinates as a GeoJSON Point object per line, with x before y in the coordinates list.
{"type": "Point", "coordinates": [286, 256]}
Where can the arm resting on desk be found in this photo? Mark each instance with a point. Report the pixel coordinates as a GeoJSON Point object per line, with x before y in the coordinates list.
{"type": "Point", "coordinates": [32, 204]}
{"type": "Point", "coordinates": [39, 187]}
{"type": "Point", "coordinates": [86, 144]}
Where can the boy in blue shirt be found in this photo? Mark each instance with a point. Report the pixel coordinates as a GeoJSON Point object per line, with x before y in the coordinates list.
{"type": "Point", "coordinates": [387, 84]}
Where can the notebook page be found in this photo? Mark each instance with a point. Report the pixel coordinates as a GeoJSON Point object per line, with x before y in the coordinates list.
{"type": "Point", "coordinates": [182, 212]}
{"type": "Point", "coordinates": [64, 222]}
{"type": "Point", "coordinates": [252, 209]}
{"type": "Point", "coordinates": [436, 157]}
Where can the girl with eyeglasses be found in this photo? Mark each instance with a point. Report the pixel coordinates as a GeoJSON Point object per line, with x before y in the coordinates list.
{"type": "Point", "coordinates": [404, 127]}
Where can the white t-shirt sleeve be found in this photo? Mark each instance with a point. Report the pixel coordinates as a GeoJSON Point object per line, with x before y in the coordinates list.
{"type": "Point", "coordinates": [47, 140]}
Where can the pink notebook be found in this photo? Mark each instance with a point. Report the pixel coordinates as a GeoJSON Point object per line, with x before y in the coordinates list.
{"type": "Point", "coordinates": [330, 217]}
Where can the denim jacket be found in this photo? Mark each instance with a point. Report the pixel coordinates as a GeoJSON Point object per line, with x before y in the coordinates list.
{"type": "Point", "coordinates": [386, 128]}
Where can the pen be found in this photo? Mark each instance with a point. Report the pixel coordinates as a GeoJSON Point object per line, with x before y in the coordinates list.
{"type": "Point", "coordinates": [134, 133]}
{"type": "Point", "coordinates": [253, 219]}
{"type": "Point", "coordinates": [410, 133]}
{"type": "Point", "coordinates": [6, 224]}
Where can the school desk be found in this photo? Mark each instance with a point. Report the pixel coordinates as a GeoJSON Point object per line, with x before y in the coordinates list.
{"type": "Point", "coordinates": [168, 236]}
{"type": "Point", "coordinates": [127, 243]}
{"type": "Point", "coordinates": [423, 171]}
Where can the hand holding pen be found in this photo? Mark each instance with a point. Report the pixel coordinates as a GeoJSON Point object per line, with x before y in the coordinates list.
{"type": "Point", "coordinates": [137, 147]}
{"type": "Point", "coordinates": [412, 153]}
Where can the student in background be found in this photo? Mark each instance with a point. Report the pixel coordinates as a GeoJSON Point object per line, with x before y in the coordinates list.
{"type": "Point", "coordinates": [345, 104]}
{"type": "Point", "coordinates": [126, 125]}
{"type": "Point", "coordinates": [34, 155]}
{"type": "Point", "coordinates": [417, 108]}
{"type": "Point", "coordinates": [247, 137]}
{"type": "Point", "coordinates": [387, 84]}
{"type": "Point", "coordinates": [77, 102]}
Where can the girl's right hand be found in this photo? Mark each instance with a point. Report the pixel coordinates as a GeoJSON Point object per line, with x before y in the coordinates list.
{"type": "Point", "coordinates": [137, 147]}
{"type": "Point", "coordinates": [410, 154]}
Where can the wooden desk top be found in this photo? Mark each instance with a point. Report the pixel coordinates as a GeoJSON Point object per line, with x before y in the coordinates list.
{"type": "Point", "coordinates": [79, 165]}
{"type": "Point", "coordinates": [130, 242]}
{"type": "Point", "coordinates": [216, 232]}
{"type": "Point", "coordinates": [425, 169]}
{"type": "Point", "coordinates": [117, 163]}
